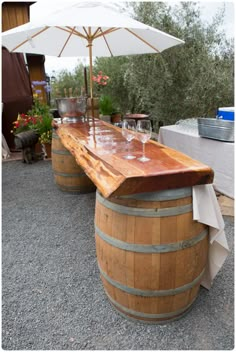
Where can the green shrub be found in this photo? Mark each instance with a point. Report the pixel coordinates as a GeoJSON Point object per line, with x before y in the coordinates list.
{"type": "Point", "coordinates": [106, 105]}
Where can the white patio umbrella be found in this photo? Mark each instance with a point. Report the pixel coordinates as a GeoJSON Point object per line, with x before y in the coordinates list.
{"type": "Point", "coordinates": [87, 29]}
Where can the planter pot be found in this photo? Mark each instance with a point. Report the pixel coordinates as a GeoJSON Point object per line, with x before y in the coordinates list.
{"type": "Point", "coordinates": [116, 117]}
{"type": "Point", "coordinates": [38, 148]}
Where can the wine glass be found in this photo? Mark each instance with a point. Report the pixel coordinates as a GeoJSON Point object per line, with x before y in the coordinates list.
{"type": "Point", "coordinates": [128, 132]}
{"type": "Point", "coordinates": [144, 132]}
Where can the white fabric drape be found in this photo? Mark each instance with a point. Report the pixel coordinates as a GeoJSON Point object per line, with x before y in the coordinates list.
{"type": "Point", "coordinates": [207, 211]}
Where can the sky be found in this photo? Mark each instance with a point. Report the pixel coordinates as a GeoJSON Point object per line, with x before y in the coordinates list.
{"type": "Point", "coordinates": [54, 65]}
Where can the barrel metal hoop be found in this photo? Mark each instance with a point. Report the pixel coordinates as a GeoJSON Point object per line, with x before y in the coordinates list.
{"type": "Point", "coordinates": [142, 248]}
{"type": "Point", "coordinates": [167, 194]}
{"type": "Point", "coordinates": [148, 315]}
{"type": "Point", "coordinates": [144, 212]}
{"type": "Point", "coordinates": [69, 174]}
{"type": "Point", "coordinates": [151, 293]}
{"type": "Point", "coordinates": [145, 321]}
{"type": "Point", "coordinates": [61, 152]}
{"type": "Point", "coordinates": [75, 189]}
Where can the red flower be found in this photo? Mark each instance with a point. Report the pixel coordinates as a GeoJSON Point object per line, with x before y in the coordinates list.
{"type": "Point", "coordinates": [100, 79]}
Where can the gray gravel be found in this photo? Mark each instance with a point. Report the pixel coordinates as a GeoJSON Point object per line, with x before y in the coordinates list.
{"type": "Point", "coordinates": [52, 296]}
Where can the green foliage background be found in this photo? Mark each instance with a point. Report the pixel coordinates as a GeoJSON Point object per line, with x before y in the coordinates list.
{"type": "Point", "coordinates": [190, 80]}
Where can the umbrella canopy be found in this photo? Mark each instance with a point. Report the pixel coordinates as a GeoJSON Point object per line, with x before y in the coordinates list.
{"type": "Point", "coordinates": [87, 29]}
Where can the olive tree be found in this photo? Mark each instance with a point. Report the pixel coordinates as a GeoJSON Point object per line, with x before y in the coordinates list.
{"type": "Point", "coordinates": [185, 81]}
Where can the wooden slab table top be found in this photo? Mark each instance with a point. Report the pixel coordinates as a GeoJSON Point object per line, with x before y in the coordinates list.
{"type": "Point", "coordinates": [99, 148]}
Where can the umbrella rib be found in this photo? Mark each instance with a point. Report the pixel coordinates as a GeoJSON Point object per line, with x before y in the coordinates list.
{"type": "Point", "coordinates": [85, 30]}
{"type": "Point", "coordinates": [69, 29]}
{"type": "Point", "coordinates": [72, 31]}
{"type": "Point", "coordinates": [97, 30]}
{"type": "Point", "coordinates": [77, 32]}
{"type": "Point", "coordinates": [103, 34]}
{"type": "Point", "coordinates": [35, 35]}
{"type": "Point", "coordinates": [141, 39]}
{"type": "Point", "coordinates": [109, 30]}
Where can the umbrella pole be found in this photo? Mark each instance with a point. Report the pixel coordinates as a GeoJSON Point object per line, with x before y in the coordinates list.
{"type": "Point", "coordinates": [90, 44]}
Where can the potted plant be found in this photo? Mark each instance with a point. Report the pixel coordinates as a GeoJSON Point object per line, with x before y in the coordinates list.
{"type": "Point", "coordinates": [116, 116]}
{"type": "Point", "coordinates": [100, 81]}
{"type": "Point", "coordinates": [106, 107]}
{"type": "Point", "coordinates": [38, 119]}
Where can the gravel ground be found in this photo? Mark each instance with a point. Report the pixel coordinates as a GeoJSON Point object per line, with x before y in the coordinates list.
{"type": "Point", "coordinates": [52, 296]}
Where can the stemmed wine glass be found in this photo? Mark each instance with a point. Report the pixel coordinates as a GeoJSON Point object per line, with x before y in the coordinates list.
{"type": "Point", "coordinates": [129, 132]}
{"type": "Point", "coordinates": [144, 132]}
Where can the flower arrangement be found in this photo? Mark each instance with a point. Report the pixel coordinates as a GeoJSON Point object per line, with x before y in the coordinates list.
{"type": "Point", "coordinates": [37, 87]}
{"type": "Point", "coordinates": [101, 80]}
{"type": "Point", "coordinates": [41, 112]}
{"type": "Point", "coordinates": [24, 122]}
{"type": "Point", "coordinates": [46, 137]}
{"type": "Point", "coordinates": [38, 118]}
{"type": "Point", "coordinates": [40, 124]}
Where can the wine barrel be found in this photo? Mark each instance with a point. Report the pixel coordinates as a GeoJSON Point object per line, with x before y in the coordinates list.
{"type": "Point", "coordinates": [151, 253]}
{"type": "Point", "coordinates": [68, 175]}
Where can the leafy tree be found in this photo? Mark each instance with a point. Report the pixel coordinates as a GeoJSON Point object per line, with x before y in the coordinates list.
{"type": "Point", "coordinates": [188, 80]}
{"type": "Point", "coordinates": [115, 68]}
{"type": "Point", "coordinates": [67, 82]}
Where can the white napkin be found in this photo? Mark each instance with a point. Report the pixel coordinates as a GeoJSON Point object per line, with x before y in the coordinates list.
{"type": "Point", "coordinates": [207, 211]}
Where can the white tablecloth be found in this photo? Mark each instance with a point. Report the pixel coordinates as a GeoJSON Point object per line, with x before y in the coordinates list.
{"type": "Point", "coordinates": [218, 155]}
{"type": "Point", "coordinates": [207, 211]}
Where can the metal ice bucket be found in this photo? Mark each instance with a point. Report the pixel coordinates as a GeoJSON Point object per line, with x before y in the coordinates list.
{"type": "Point", "coordinates": [72, 107]}
{"type": "Point", "coordinates": [217, 129]}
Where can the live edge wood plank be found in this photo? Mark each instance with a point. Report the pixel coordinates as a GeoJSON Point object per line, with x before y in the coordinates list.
{"type": "Point", "coordinates": [99, 149]}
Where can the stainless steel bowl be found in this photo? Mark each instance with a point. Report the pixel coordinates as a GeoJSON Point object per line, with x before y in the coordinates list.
{"type": "Point", "coordinates": [218, 129]}
{"type": "Point", "coordinates": [72, 107]}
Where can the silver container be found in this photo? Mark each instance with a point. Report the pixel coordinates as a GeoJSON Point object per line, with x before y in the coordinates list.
{"type": "Point", "coordinates": [218, 129]}
{"type": "Point", "coordinates": [72, 107]}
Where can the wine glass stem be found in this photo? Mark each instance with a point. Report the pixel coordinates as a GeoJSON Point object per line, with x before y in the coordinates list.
{"type": "Point", "coordinates": [128, 149]}
{"type": "Point", "coordinates": [143, 149]}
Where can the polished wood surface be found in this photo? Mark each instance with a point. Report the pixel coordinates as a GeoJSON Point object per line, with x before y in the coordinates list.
{"type": "Point", "coordinates": [99, 148]}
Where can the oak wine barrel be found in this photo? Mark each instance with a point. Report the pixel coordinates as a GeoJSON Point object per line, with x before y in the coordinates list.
{"type": "Point", "coordinates": [68, 175]}
{"type": "Point", "coordinates": [151, 253]}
